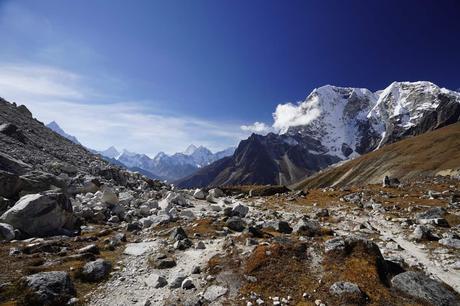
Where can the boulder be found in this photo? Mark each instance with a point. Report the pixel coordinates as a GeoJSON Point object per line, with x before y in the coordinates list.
{"type": "Point", "coordinates": [236, 224]}
{"type": "Point", "coordinates": [109, 196]}
{"type": "Point", "coordinates": [307, 227]}
{"type": "Point", "coordinates": [348, 292]}
{"type": "Point", "coordinates": [213, 292]}
{"type": "Point", "coordinates": [450, 242]}
{"type": "Point", "coordinates": [177, 281]}
{"type": "Point", "coordinates": [199, 194]}
{"type": "Point", "coordinates": [422, 232]}
{"type": "Point", "coordinates": [187, 284]}
{"type": "Point", "coordinates": [390, 182]}
{"type": "Point", "coordinates": [240, 210]}
{"type": "Point", "coordinates": [48, 288]}
{"type": "Point", "coordinates": [279, 226]}
{"type": "Point", "coordinates": [6, 232]}
{"type": "Point", "coordinates": [40, 214]}
{"type": "Point", "coordinates": [97, 270]}
{"type": "Point", "coordinates": [178, 234]}
{"type": "Point", "coordinates": [12, 131]}
{"type": "Point", "coordinates": [12, 165]}
{"type": "Point", "coordinates": [216, 193]}
{"type": "Point", "coordinates": [156, 281]}
{"type": "Point", "coordinates": [418, 285]}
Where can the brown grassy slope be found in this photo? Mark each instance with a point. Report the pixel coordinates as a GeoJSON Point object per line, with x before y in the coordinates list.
{"type": "Point", "coordinates": [428, 154]}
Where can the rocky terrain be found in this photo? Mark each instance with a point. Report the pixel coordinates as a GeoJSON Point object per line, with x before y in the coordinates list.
{"type": "Point", "coordinates": [333, 124]}
{"type": "Point", "coordinates": [429, 154]}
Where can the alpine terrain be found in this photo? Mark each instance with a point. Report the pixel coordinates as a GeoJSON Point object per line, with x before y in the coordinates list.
{"type": "Point", "coordinates": [345, 123]}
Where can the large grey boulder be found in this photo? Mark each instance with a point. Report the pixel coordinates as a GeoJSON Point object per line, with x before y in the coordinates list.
{"type": "Point", "coordinates": [420, 286]}
{"type": "Point", "coordinates": [96, 270]}
{"type": "Point", "coordinates": [6, 232]}
{"type": "Point", "coordinates": [40, 214]}
{"type": "Point", "coordinates": [48, 288]}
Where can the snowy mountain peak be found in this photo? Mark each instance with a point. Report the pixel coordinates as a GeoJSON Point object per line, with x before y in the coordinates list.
{"type": "Point", "coordinates": [347, 121]}
{"type": "Point", "coordinates": [110, 152]}
{"type": "Point", "coordinates": [190, 149]}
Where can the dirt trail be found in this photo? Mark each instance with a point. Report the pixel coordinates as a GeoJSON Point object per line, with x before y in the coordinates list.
{"type": "Point", "coordinates": [447, 275]}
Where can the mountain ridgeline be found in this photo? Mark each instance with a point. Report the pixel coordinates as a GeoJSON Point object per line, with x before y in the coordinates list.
{"type": "Point", "coordinates": [350, 122]}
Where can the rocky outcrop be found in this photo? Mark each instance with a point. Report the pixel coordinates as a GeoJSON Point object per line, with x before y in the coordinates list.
{"type": "Point", "coordinates": [39, 215]}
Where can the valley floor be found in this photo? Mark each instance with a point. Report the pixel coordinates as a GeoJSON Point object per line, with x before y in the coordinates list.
{"type": "Point", "coordinates": [271, 266]}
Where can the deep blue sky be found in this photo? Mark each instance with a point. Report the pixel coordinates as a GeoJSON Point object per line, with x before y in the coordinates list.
{"type": "Point", "coordinates": [234, 61]}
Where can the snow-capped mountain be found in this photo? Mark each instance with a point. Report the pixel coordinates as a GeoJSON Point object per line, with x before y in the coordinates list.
{"type": "Point", "coordinates": [173, 167]}
{"type": "Point", "coordinates": [56, 128]}
{"type": "Point", "coordinates": [333, 124]}
{"type": "Point", "coordinates": [110, 152]}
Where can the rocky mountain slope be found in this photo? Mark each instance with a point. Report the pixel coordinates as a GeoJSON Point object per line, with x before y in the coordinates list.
{"type": "Point", "coordinates": [430, 154]}
{"type": "Point", "coordinates": [344, 123]}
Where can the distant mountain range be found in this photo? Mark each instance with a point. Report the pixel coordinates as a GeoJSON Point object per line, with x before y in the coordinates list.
{"type": "Point", "coordinates": [162, 166]}
{"type": "Point", "coordinates": [345, 123]}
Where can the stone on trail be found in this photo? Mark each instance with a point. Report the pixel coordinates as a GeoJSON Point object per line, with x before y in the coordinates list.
{"type": "Point", "coordinates": [109, 196]}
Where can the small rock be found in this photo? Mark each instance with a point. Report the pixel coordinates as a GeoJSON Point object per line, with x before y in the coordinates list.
{"type": "Point", "coordinates": [187, 284]}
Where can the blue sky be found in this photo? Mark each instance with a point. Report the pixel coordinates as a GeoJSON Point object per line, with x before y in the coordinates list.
{"type": "Point", "coordinates": [155, 76]}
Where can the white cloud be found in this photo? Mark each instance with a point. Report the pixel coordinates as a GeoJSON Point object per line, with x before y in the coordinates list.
{"type": "Point", "coordinates": [257, 127]}
{"type": "Point", "coordinates": [53, 94]}
{"type": "Point", "coordinates": [287, 115]}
